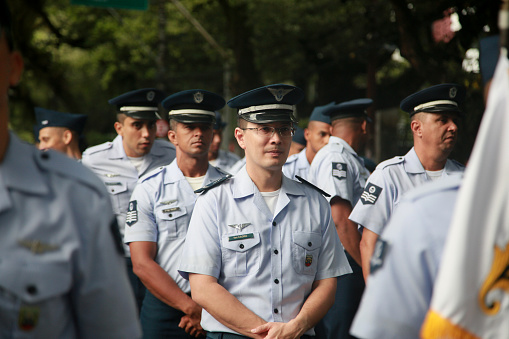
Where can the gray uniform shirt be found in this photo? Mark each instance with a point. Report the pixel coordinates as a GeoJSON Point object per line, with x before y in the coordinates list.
{"type": "Point", "coordinates": [114, 168]}
{"type": "Point", "coordinates": [62, 274]}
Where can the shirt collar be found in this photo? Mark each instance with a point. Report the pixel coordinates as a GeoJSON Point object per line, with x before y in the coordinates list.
{"type": "Point", "coordinates": [19, 168]}
{"type": "Point", "coordinates": [117, 151]}
{"type": "Point", "coordinates": [412, 163]}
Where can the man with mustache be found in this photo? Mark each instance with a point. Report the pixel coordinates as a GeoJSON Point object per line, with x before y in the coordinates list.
{"type": "Point", "coordinates": [434, 118]}
{"type": "Point", "coordinates": [133, 153]}
{"type": "Point", "coordinates": [262, 255]}
{"type": "Point", "coordinates": [158, 216]}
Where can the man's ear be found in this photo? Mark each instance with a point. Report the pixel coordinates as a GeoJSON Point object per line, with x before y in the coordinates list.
{"type": "Point", "coordinates": [67, 137]}
{"type": "Point", "coordinates": [239, 135]}
{"type": "Point", "coordinates": [306, 133]}
{"type": "Point", "coordinates": [172, 136]}
{"type": "Point", "coordinates": [118, 127]}
{"type": "Point", "coordinates": [416, 127]}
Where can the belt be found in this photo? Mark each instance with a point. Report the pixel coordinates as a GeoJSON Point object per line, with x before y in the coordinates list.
{"type": "Point", "coordinates": [226, 335]}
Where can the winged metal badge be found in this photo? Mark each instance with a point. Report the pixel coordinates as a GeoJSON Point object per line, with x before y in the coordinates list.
{"type": "Point", "coordinates": [240, 227]}
{"type": "Point", "coordinates": [37, 246]}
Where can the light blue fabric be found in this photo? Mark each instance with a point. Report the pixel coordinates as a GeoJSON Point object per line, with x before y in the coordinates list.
{"type": "Point", "coordinates": [297, 164]}
{"type": "Point", "coordinates": [236, 239]}
{"type": "Point", "coordinates": [58, 257]}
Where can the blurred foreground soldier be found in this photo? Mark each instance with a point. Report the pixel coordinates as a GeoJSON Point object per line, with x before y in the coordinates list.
{"type": "Point", "coordinates": [339, 170]}
{"type": "Point", "coordinates": [298, 141]}
{"type": "Point", "coordinates": [435, 115]}
{"type": "Point", "coordinates": [409, 252]}
{"type": "Point", "coordinates": [261, 255]}
{"type": "Point", "coordinates": [133, 153]}
{"type": "Point", "coordinates": [316, 135]}
{"type": "Point", "coordinates": [159, 213]}
{"type": "Point", "coordinates": [60, 131]}
{"type": "Point", "coordinates": [61, 269]}
{"type": "Point", "coordinates": [217, 157]}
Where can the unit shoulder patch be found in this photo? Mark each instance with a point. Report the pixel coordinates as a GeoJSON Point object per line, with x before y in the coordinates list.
{"type": "Point", "coordinates": [377, 260]}
{"type": "Point", "coordinates": [370, 194]}
{"type": "Point", "coordinates": [132, 213]}
{"type": "Point", "coordinates": [305, 182]}
{"type": "Point", "coordinates": [339, 170]}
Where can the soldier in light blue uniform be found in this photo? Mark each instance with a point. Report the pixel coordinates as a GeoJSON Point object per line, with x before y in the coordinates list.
{"type": "Point", "coordinates": [61, 269]}
{"type": "Point", "coordinates": [262, 255]}
{"type": "Point", "coordinates": [340, 171]}
{"type": "Point", "coordinates": [217, 157]}
{"type": "Point", "coordinates": [406, 262]}
{"type": "Point", "coordinates": [133, 153]}
{"type": "Point", "coordinates": [159, 213]}
{"type": "Point", "coordinates": [316, 135]}
{"type": "Point", "coordinates": [435, 114]}
{"type": "Point", "coordinates": [60, 131]}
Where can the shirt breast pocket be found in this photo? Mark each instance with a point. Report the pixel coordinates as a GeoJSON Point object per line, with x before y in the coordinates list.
{"type": "Point", "coordinates": [241, 254]}
{"type": "Point", "coordinates": [172, 222]}
{"type": "Point", "coordinates": [119, 195]}
{"type": "Point", "coordinates": [305, 252]}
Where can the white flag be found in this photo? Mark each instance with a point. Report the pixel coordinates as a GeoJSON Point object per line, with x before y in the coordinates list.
{"type": "Point", "coordinates": [471, 293]}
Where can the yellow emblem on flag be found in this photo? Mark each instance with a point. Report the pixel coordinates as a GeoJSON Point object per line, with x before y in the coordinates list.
{"type": "Point", "coordinates": [498, 278]}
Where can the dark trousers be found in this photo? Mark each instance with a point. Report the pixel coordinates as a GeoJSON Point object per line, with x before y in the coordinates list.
{"type": "Point", "coordinates": [160, 321]}
{"type": "Point", "coordinates": [138, 287]}
{"type": "Point", "coordinates": [336, 323]}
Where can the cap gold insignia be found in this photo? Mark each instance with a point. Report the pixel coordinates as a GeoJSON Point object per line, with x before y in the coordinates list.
{"type": "Point", "coordinates": [452, 92]}
{"type": "Point", "coordinates": [198, 97]}
{"type": "Point", "coordinates": [279, 93]}
{"type": "Point", "coordinates": [240, 227]}
{"type": "Point", "coordinates": [151, 95]}
{"type": "Point", "coordinates": [37, 247]}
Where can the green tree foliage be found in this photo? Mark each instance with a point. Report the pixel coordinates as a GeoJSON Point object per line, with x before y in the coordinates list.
{"type": "Point", "coordinates": [78, 57]}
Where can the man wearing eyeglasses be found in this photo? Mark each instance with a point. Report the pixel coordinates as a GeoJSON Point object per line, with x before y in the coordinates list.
{"type": "Point", "coordinates": [339, 170]}
{"type": "Point", "coordinates": [262, 255]}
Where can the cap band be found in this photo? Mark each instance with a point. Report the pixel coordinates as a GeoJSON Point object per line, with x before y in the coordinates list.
{"type": "Point", "coordinates": [435, 103]}
{"type": "Point", "coordinates": [191, 111]}
{"type": "Point", "coordinates": [265, 107]}
{"type": "Point", "coordinates": [137, 108]}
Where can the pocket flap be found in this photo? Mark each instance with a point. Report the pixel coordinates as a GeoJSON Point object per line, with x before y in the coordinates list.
{"type": "Point", "coordinates": [308, 240]}
{"type": "Point", "coordinates": [115, 186]}
{"type": "Point", "coordinates": [35, 281]}
{"type": "Point", "coordinates": [241, 242]}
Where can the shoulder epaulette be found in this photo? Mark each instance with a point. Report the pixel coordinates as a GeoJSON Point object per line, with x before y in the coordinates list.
{"type": "Point", "coordinates": [305, 182]}
{"type": "Point", "coordinates": [222, 171]}
{"type": "Point", "coordinates": [213, 184]}
{"type": "Point", "coordinates": [98, 148]}
{"type": "Point", "coordinates": [292, 158]}
{"type": "Point", "coordinates": [389, 162]}
{"type": "Point", "coordinates": [151, 173]}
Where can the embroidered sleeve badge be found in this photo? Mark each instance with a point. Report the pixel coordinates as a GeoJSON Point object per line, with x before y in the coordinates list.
{"type": "Point", "coordinates": [370, 194]}
{"type": "Point", "coordinates": [132, 213]}
{"type": "Point", "coordinates": [377, 260]}
{"type": "Point", "coordinates": [339, 170]}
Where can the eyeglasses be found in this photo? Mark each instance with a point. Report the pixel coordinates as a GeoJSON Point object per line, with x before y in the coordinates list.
{"type": "Point", "coordinates": [268, 131]}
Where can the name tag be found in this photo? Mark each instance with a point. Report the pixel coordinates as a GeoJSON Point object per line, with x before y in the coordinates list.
{"type": "Point", "coordinates": [241, 237]}
{"type": "Point", "coordinates": [113, 184]}
{"type": "Point", "coordinates": [173, 209]}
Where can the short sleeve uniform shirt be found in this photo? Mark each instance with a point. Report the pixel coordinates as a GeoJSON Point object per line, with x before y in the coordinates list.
{"type": "Point", "coordinates": [388, 184]}
{"type": "Point", "coordinates": [267, 261]}
{"type": "Point", "coordinates": [225, 160]}
{"type": "Point", "coordinates": [407, 261]}
{"type": "Point", "coordinates": [62, 273]}
{"type": "Point", "coordinates": [160, 210]}
{"type": "Point", "coordinates": [114, 168]}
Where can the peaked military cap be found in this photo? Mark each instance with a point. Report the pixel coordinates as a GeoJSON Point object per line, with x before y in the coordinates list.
{"type": "Point", "coordinates": [318, 113]}
{"type": "Point", "coordinates": [49, 118]}
{"type": "Point", "coordinates": [489, 50]}
{"type": "Point", "coordinates": [220, 124]}
{"type": "Point", "coordinates": [349, 109]}
{"type": "Point", "coordinates": [298, 137]}
{"type": "Point", "coordinates": [441, 98]}
{"type": "Point", "coordinates": [139, 104]}
{"type": "Point", "coordinates": [267, 104]}
{"type": "Point", "coordinates": [193, 106]}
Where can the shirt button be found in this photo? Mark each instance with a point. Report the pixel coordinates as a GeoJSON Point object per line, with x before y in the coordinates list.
{"type": "Point", "coordinates": [310, 244]}
{"type": "Point", "coordinates": [276, 281]}
{"type": "Point", "coordinates": [31, 289]}
{"type": "Point", "coordinates": [241, 246]}
{"type": "Point", "coordinates": [276, 252]}
{"type": "Point", "coordinates": [276, 311]}
{"type": "Point", "coordinates": [170, 215]}
{"type": "Point", "coordinates": [273, 223]}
